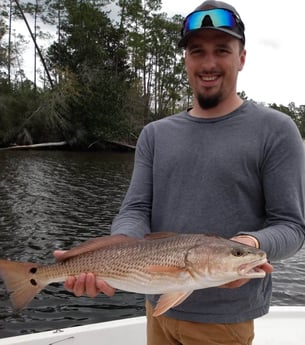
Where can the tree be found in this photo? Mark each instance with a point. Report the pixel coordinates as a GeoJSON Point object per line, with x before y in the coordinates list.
{"type": "Point", "coordinates": [3, 48]}
{"type": "Point", "coordinates": [154, 57]}
{"type": "Point", "coordinates": [91, 53]}
{"type": "Point", "coordinates": [301, 119]}
{"type": "Point", "coordinates": [111, 75]}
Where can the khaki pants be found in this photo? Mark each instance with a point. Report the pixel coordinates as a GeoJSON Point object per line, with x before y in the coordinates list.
{"type": "Point", "coordinates": [162, 330]}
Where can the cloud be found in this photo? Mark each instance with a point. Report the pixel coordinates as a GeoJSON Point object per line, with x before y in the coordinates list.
{"type": "Point", "coordinates": [270, 43]}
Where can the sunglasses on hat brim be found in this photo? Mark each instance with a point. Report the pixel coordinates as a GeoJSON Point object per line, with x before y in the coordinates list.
{"type": "Point", "coordinates": [217, 18]}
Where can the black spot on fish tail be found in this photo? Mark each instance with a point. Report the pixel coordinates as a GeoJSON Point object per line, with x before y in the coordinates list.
{"type": "Point", "coordinates": [33, 282]}
{"type": "Point", "coordinates": [33, 270]}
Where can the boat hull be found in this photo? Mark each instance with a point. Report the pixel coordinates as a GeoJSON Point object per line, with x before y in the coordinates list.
{"type": "Point", "coordinates": [282, 326]}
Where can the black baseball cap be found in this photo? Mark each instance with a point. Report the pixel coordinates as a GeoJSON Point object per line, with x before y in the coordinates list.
{"type": "Point", "coordinates": [215, 15]}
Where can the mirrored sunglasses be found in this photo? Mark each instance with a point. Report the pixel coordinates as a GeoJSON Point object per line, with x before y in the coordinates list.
{"type": "Point", "coordinates": [218, 18]}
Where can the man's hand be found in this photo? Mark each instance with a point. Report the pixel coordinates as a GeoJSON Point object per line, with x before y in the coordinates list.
{"type": "Point", "coordinates": [86, 283]}
{"type": "Point", "coordinates": [252, 242]}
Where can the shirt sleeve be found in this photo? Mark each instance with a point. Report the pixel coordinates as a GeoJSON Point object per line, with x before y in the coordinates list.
{"type": "Point", "coordinates": [283, 179]}
{"type": "Point", "coordinates": [135, 213]}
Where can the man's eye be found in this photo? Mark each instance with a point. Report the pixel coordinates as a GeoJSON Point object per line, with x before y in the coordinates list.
{"type": "Point", "coordinates": [223, 51]}
{"type": "Point", "coordinates": [196, 51]}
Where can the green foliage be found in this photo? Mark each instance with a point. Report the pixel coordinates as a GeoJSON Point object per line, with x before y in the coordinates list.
{"type": "Point", "coordinates": [16, 104]}
{"type": "Point", "coordinates": [111, 73]}
{"type": "Point", "coordinates": [296, 113]}
{"type": "Point", "coordinates": [90, 51]}
{"type": "Point", "coordinates": [242, 95]}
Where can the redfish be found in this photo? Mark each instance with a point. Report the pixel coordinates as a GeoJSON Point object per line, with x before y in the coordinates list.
{"type": "Point", "coordinates": [171, 265]}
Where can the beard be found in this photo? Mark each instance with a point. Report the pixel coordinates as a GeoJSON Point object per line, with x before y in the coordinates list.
{"type": "Point", "coordinates": [208, 102]}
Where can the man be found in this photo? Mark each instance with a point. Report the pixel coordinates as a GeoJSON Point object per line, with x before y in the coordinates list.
{"type": "Point", "coordinates": [225, 166]}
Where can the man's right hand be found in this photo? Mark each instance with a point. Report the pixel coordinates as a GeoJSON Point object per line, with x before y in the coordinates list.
{"type": "Point", "coordinates": [86, 283]}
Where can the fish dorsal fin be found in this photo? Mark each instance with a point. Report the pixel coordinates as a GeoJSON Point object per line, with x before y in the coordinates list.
{"type": "Point", "coordinates": [170, 300]}
{"type": "Point", "coordinates": [159, 235]}
{"type": "Point", "coordinates": [95, 244]}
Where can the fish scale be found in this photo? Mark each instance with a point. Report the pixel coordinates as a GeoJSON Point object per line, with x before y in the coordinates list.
{"type": "Point", "coordinates": [166, 264]}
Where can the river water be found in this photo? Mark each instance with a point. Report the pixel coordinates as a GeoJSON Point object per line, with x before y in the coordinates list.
{"type": "Point", "coordinates": [56, 199]}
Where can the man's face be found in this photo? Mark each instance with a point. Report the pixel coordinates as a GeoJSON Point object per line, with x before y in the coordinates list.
{"type": "Point", "coordinates": [213, 60]}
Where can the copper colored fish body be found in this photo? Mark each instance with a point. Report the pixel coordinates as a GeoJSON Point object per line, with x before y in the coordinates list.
{"type": "Point", "coordinates": [171, 265]}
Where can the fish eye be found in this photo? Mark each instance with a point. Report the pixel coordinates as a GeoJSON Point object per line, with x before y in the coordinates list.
{"type": "Point", "coordinates": [237, 252]}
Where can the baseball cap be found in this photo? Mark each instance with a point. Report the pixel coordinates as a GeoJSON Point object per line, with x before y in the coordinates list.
{"type": "Point", "coordinates": [216, 15]}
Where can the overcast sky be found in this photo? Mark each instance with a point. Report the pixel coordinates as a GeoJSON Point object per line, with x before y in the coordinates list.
{"type": "Point", "coordinates": [275, 43]}
{"type": "Point", "coordinates": [275, 36]}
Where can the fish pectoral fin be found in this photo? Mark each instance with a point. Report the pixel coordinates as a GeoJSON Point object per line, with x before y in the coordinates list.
{"type": "Point", "coordinates": [95, 244]}
{"type": "Point", "coordinates": [170, 300]}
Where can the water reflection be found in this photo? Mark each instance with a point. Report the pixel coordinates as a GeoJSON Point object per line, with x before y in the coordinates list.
{"type": "Point", "coordinates": [59, 196]}
{"type": "Point", "coordinates": [54, 200]}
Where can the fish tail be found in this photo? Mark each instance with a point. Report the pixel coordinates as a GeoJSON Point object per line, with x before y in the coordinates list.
{"type": "Point", "coordinates": [21, 282]}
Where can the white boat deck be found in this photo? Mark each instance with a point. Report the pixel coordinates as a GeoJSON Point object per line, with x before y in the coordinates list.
{"type": "Point", "coordinates": [282, 326]}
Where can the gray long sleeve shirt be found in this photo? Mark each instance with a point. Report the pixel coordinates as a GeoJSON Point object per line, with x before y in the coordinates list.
{"type": "Point", "coordinates": [242, 173]}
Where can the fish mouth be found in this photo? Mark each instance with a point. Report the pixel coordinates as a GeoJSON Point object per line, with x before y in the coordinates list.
{"type": "Point", "coordinates": [252, 269]}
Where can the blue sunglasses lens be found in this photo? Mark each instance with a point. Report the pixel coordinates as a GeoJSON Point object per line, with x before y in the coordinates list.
{"type": "Point", "coordinates": [215, 18]}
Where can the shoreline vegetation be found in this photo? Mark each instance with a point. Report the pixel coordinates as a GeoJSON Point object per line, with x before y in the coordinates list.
{"type": "Point", "coordinates": [104, 79]}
